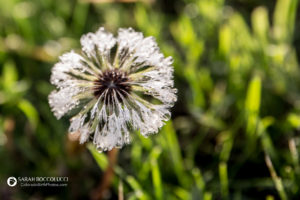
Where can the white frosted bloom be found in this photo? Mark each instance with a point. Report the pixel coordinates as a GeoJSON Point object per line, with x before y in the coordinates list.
{"type": "Point", "coordinates": [116, 85]}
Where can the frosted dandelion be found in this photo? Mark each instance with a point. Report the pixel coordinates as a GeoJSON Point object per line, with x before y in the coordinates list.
{"type": "Point", "coordinates": [115, 86]}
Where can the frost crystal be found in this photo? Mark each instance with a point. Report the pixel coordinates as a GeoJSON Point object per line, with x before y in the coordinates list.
{"type": "Point", "coordinates": [115, 85]}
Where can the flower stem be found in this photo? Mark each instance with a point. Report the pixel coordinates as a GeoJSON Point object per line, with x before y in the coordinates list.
{"type": "Point", "coordinates": [107, 177]}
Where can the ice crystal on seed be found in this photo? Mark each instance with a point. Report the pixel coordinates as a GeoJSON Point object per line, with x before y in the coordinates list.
{"type": "Point", "coordinates": [111, 85]}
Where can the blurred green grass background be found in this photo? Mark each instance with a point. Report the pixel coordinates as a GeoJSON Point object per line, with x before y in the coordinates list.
{"type": "Point", "coordinates": [234, 132]}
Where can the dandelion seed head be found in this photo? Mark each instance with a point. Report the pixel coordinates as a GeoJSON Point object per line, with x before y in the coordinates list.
{"type": "Point", "coordinates": [112, 82]}
{"type": "Point", "coordinates": [115, 86]}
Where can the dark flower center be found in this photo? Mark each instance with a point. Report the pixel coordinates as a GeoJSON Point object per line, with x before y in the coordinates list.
{"type": "Point", "coordinates": [112, 84]}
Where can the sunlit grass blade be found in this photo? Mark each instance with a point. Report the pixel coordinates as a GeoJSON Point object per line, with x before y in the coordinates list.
{"type": "Point", "coordinates": [156, 177]}
{"type": "Point", "coordinates": [223, 180]}
{"type": "Point", "coordinates": [100, 158]}
{"type": "Point", "coordinates": [200, 183]}
{"type": "Point", "coordinates": [227, 146]}
{"type": "Point", "coordinates": [135, 185]}
{"type": "Point", "coordinates": [277, 180]}
{"type": "Point", "coordinates": [224, 40]}
{"type": "Point", "coordinates": [260, 23]}
{"type": "Point", "coordinates": [174, 151]}
{"type": "Point", "coordinates": [252, 104]}
{"type": "Point", "coordinates": [181, 193]}
{"type": "Point", "coordinates": [30, 112]}
{"type": "Point", "coordinates": [9, 75]}
{"type": "Point", "coordinates": [207, 196]}
{"type": "Point", "coordinates": [284, 17]}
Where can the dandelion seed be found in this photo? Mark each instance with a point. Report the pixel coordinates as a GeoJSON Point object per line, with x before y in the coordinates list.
{"type": "Point", "coordinates": [114, 86]}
